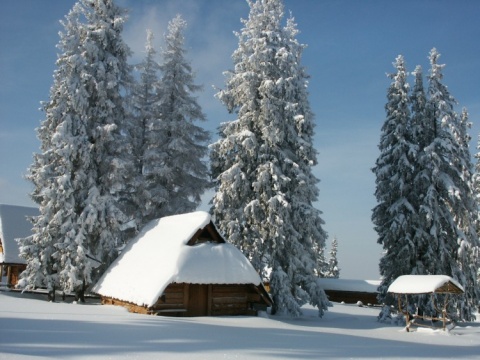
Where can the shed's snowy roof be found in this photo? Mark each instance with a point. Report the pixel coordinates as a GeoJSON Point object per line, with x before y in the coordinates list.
{"type": "Point", "coordinates": [159, 255]}
{"type": "Point", "coordinates": [14, 225]}
{"type": "Point", "coordinates": [424, 284]}
{"type": "Point", "coordinates": [369, 286]}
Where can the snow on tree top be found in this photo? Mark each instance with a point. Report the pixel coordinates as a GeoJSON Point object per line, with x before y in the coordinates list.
{"type": "Point", "coordinates": [424, 284]}
{"type": "Point", "coordinates": [159, 256]}
{"type": "Point", "coordinates": [14, 224]}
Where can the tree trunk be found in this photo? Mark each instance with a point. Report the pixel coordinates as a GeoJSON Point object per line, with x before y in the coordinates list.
{"type": "Point", "coordinates": [80, 293]}
{"type": "Point", "coordinates": [51, 295]}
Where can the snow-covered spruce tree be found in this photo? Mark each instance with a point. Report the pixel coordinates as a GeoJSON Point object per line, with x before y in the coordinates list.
{"type": "Point", "coordinates": [420, 128]}
{"type": "Point", "coordinates": [422, 135]}
{"type": "Point", "coordinates": [468, 252]}
{"type": "Point", "coordinates": [84, 166]}
{"type": "Point", "coordinates": [333, 271]}
{"type": "Point", "coordinates": [395, 215]}
{"type": "Point", "coordinates": [449, 208]}
{"type": "Point", "coordinates": [51, 171]}
{"type": "Point", "coordinates": [179, 163]}
{"type": "Point", "coordinates": [262, 163]}
{"type": "Point", "coordinates": [151, 195]}
{"type": "Point", "coordinates": [476, 188]}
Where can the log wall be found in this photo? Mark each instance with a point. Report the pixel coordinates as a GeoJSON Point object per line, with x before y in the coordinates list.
{"type": "Point", "coordinates": [12, 272]}
{"type": "Point", "coordinates": [230, 300]}
{"type": "Point", "coordinates": [216, 300]}
{"type": "Point", "coordinates": [200, 300]}
{"type": "Point", "coordinates": [352, 297]}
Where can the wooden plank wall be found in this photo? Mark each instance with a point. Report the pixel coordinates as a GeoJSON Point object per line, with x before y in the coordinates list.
{"type": "Point", "coordinates": [221, 300]}
{"type": "Point", "coordinates": [235, 299]}
{"type": "Point", "coordinates": [12, 272]}
{"type": "Point", "coordinates": [175, 296]}
{"type": "Point", "coordinates": [230, 300]}
{"type": "Point", "coordinates": [352, 297]}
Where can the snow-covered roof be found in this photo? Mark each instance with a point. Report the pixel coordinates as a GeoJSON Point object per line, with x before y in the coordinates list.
{"type": "Point", "coordinates": [424, 284]}
{"type": "Point", "coordinates": [369, 286]}
{"type": "Point", "coordinates": [159, 256]}
{"type": "Point", "coordinates": [14, 225]}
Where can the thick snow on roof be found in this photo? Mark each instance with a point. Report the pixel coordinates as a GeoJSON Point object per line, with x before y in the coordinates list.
{"type": "Point", "coordinates": [14, 225]}
{"type": "Point", "coordinates": [369, 286]}
{"type": "Point", "coordinates": [159, 255]}
{"type": "Point", "coordinates": [420, 284]}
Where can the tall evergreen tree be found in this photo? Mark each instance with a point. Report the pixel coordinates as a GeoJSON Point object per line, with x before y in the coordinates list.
{"type": "Point", "coordinates": [422, 135]}
{"type": "Point", "coordinates": [151, 194]}
{"type": "Point", "coordinates": [420, 129]}
{"type": "Point", "coordinates": [181, 165]}
{"type": "Point", "coordinates": [82, 174]}
{"type": "Point", "coordinates": [262, 163]}
{"type": "Point", "coordinates": [333, 271]}
{"type": "Point", "coordinates": [439, 222]}
{"type": "Point", "coordinates": [50, 170]}
{"type": "Point", "coordinates": [476, 189]}
{"type": "Point", "coordinates": [395, 215]}
{"type": "Point", "coordinates": [449, 206]}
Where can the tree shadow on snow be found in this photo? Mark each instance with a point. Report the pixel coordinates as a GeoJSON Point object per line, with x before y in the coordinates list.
{"type": "Point", "coordinates": [148, 334]}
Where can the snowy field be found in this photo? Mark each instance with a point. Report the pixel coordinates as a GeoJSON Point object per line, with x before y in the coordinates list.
{"type": "Point", "coordinates": [32, 328]}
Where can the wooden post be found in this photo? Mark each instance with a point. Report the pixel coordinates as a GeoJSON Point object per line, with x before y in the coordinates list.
{"type": "Point", "coordinates": [209, 300]}
{"type": "Point", "coordinates": [9, 275]}
{"type": "Point", "coordinates": [185, 296]}
{"type": "Point", "coordinates": [407, 315]}
{"type": "Point", "coordinates": [444, 312]}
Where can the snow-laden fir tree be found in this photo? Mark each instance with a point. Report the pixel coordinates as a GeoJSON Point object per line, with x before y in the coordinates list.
{"type": "Point", "coordinates": [263, 162]}
{"type": "Point", "coordinates": [82, 174]}
{"type": "Point", "coordinates": [49, 172]}
{"type": "Point", "coordinates": [468, 253]}
{"type": "Point", "coordinates": [333, 271]}
{"type": "Point", "coordinates": [151, 195]}
{"type": "Point", "coordinates": [438, 220]}
{"type": "Point", "coordinates": [422, 134]}
{"type": "Point", "coordinates": [395, 215]}
{"type": "Point", "coordinates": [179, 163]}
{"type": "Point", "coordinates": [449, 208]}
{"type": "Point", "coordinates": [476, 189]}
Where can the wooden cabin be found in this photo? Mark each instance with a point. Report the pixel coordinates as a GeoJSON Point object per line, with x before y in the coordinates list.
{"type": "Point", "coordinates": [350, 291]}
{"type": "Point", "coordinates": [14, 224]}
{"type": "Point", "coordinates": [181, 266]}
{"type": "Point", "coordinates": [407, 285]}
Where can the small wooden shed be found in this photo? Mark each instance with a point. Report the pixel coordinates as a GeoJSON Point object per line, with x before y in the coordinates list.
{"type": "Point", "coordinates": [180, 265]}
{"type": "Point", "coordinates": [350, 291]}
{"type": "Point", "coordinates": [424, 284]}
{"type": "Point", "coordinates": [14, 224]}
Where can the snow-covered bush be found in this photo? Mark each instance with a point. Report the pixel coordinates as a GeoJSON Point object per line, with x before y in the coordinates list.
{"type": "Point", "coordinates": [388, 316]}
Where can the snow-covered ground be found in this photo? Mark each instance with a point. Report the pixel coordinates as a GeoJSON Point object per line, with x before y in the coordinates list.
{"type": "Point", "coordinates": [32, 328]}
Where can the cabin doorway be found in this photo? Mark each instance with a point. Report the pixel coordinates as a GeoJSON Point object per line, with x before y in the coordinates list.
{"type": "Point", "coordinates": [197, 300]}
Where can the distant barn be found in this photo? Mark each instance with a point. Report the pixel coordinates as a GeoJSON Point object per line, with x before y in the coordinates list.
{"type": "Point", "coordinates": [180, 265]}
{"type": "Point", "coordinates": [350, 291]}
{"type": "Point", "coordinates": [14, 224]}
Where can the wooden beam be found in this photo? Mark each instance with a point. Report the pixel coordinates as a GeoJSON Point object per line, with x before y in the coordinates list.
{"type": "Point", "coordinates": [185, 296]}
{"type": "Point", "coordinates": [194, 238]}
{"type": "Point", "coordinates": [209, 300]}
{"type": "Point", "coordinates": [215, 235]}
{"type": "Point", "coordinates": [209, 232]}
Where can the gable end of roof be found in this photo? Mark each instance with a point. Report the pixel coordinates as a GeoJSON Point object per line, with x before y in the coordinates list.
{"type": "Point", "coordinates": [207, 233]}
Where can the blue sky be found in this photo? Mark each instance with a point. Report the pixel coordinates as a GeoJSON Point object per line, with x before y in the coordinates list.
{"type": "Point", "coordinates": [351, 46]}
